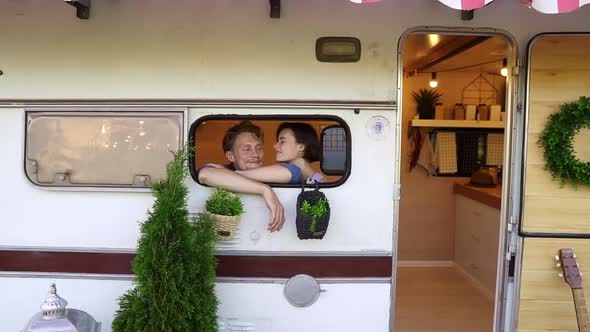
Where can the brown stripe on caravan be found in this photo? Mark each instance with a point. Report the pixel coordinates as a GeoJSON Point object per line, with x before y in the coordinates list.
{"type": "Point", "coordinates": [319, 267]}
{"type": "Point", "coordinates": [228, 266]}
{"type": "Point", "coordinates": [65, 262]}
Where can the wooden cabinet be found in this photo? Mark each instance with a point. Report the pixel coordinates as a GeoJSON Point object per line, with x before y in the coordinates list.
{"type": "Point", "coordinates": [477, 229]}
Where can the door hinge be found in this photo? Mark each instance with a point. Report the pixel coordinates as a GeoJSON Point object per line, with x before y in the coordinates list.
{"type": "Point", "coordinates": [511, 265]}
{"type": "Point", "coordinates": [511, 224]}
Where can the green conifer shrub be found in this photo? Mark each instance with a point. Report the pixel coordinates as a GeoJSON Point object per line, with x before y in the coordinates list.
{"type": "Point", "coordinates": [174, 267]}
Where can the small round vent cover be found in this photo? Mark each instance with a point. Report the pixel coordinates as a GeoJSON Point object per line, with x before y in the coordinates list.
{"type": "Point", "coordinates": [302, 290]}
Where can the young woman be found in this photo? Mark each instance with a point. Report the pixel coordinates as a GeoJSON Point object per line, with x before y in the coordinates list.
{"type": "Point", "coordinates": [297, 147]}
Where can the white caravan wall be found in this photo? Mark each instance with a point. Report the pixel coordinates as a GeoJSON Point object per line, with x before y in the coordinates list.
{"type": "Point", "coordinates": [209, 49]}
{"type": "Point", "coordinates": [38, 217]}
{"type": "Point", "coordinates": [226, 49]}
{"type": "Point", "coordinates": [262, 307]}
{"type": "Point", "coordinates": [361, 208]}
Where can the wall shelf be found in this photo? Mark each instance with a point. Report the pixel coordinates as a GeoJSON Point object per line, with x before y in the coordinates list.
{"type": "Point", "coordinates": [457, 124]}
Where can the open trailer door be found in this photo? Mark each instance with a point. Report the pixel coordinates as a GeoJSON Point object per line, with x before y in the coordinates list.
{"type": "Point", "coordinates": [554, 216]}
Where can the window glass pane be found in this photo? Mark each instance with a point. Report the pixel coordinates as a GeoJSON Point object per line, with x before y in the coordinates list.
{"type": "Point", "coordinates": [208, 136]}
{"type": "Point", "coordinates": [124, 149]}
{"type": "Point", "coordinates": [334, 150]}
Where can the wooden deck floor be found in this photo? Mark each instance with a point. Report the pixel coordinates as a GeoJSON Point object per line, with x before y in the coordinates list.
{"type": "Point", "coordinates": [435, 299]}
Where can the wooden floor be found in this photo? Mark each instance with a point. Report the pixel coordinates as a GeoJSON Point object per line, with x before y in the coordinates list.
{"type": "Point", "coordinates": [430, 299]}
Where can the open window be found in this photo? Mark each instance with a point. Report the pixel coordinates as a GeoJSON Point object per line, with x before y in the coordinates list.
{"type": "Point", "coordinates": [208, 132]}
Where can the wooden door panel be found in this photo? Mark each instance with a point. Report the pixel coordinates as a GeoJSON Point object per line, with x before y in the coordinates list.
{"type": "Point", "coordinates": [559, 73]}
{"type": "Point", "coordinates": [546, 302]}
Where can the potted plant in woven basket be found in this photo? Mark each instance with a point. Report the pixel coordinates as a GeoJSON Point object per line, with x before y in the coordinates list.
{"type": "Point", "coordinates": [226, 209]}
{"type": "Point", "coordinates": [313, 214]}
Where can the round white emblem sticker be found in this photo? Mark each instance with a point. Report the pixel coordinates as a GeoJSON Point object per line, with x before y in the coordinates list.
{"type": "Point", "coordinates": [377, 127]}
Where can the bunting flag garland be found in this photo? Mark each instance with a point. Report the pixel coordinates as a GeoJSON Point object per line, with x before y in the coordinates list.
{"type": "Point", "coordinates": [465, 4]}
{"type": "Point", "coordinates": [364, 1]}
{"type": "Point", "coordinates": [544, 6]}
{"type": "Point", "coordinates": [556, 6]}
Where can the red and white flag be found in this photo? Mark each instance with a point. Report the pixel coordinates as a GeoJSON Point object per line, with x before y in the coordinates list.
{"type": "Point", "coordinates": [465, 4]}
{"type": "Point", "coordinates": [556, 6]}
{"type": "Point", "coordinates": [364, 1]}
{"type": "Point", "coordinates": [545, 6]}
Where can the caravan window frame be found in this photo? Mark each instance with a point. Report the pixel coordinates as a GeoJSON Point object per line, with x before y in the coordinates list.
{"type": "Point", "coordinates": [277, 117]}
{"type": "Point", "coordinates": [179, 116]}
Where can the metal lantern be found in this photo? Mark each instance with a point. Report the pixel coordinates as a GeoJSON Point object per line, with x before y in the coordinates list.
{"type": "Point", "coordinates": [55, 317]}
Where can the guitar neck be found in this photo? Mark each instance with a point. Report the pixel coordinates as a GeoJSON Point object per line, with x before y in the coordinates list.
{"type": "Point", "coordinates": [581, 311]}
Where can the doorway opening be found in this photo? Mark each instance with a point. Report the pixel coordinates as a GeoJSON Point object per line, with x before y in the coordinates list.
{"type": "Point", "coordinates": [455, 101]}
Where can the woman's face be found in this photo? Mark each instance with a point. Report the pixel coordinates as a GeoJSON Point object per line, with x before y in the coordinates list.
{"type": "Point", "coordinates": [287, 147]}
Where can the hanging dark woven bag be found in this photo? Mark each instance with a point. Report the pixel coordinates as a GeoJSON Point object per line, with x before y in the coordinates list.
{"type": "Point", "coordinates": [306, 228]}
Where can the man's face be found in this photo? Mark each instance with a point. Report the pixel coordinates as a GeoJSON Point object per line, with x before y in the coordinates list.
{"type": "Point", "coordinates": [247, 152]}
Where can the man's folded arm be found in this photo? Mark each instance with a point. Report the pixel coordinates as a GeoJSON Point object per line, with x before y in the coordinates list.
{"type": "Point", "coordinates": [280, 173]}
{"type": "Point", "coordinates": [224, 178]}
{"type": "Point", "coordinates": [230, 180]}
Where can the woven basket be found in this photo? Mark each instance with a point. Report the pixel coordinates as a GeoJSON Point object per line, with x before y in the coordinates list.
{"type": "Point", "coordinates": [303, 221]}
{"type": "Point", "coordinates": [225, 226]}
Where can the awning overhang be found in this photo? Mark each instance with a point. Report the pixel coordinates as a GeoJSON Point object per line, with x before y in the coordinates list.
{"type": "Point", "coordinates": [556, 6]}
{"type": "Point", "coordinates": [544, 6]}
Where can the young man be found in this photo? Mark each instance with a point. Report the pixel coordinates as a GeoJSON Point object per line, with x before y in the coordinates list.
{"type": "Point", "coordinates": [243, 148]}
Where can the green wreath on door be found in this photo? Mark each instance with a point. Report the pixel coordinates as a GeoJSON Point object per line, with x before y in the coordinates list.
{"type": "Point", "coordinates": [557, 142]}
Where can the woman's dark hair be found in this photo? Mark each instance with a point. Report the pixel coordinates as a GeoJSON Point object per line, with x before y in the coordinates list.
{"type": "Point", "coordinates": [306, 135]}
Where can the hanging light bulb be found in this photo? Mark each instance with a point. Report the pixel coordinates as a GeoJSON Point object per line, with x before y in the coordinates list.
{"type": "Point", "coordinates": [504, 70]}
{"type": "Point", "coordinates": [433, 82]}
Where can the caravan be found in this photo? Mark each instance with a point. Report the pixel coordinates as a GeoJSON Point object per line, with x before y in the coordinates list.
{"type": "Point", "coordinates": [93, 97]}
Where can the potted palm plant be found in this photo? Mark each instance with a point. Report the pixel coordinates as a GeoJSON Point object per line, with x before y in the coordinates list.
{"type": "Point", "coordinates": [426, 100]}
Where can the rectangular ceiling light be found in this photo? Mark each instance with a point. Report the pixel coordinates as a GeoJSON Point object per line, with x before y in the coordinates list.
{"type": "Point", "coordinates": [338, 49]}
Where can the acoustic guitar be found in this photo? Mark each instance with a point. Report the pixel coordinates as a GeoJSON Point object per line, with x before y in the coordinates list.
{"type": "Point", "coordinates": [573, 277]}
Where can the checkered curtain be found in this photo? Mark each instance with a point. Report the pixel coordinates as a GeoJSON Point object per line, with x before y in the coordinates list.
{"type": "Point", "coordinates": [446, 151]}
{"type": "Point", "coordinates": [495, 149]}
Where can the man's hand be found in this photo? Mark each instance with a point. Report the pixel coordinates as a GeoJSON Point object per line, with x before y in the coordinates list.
{"type": "Point", "coordinates": [277, 212]}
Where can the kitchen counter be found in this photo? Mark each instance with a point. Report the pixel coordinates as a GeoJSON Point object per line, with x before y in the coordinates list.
{"type": "Point", "coordinates": [491, 197]}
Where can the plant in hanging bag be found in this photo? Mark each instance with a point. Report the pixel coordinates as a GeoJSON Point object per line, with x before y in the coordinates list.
{"type": "Point", "coordinates": [226, 209]}
{"type": "Point", "coordinates": [313, 214]}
